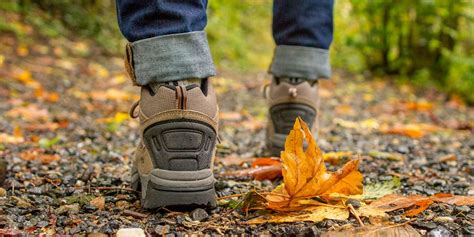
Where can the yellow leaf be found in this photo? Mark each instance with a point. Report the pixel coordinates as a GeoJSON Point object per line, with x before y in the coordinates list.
{"type": "Point", "coordinates": [314, 214]}
{"type": "Point", "coordinates": [99, 70]}
{"type": "Point", "coordinates": [25, 77]}
{"type": "Point", "coordinates": [370, 211]}
{"type": "Point", "coordinates": [410, 130]}
{"type": "Point", "coordinates": [305, 175]}
{"type": "Point", "coordinates": [9, 139]}
{"type": "Point", "coordinates": [30, 113]}
{"type": "Point", "coordinates": [22, 50]}
{"type": "Point", "coordinates": [364, 124]}
{"type": "Point", "coordinates": [334, 157]}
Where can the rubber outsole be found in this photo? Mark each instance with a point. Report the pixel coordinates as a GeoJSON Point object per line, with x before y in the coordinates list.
{"type": "Point", "coordinates": [283, 116]}
{"type": "Point", "coordinates": [181, 152]}
{"type": "Point", "coordinates": [156, 197]}
{"type": "Point", "coordinates": [180, 144]}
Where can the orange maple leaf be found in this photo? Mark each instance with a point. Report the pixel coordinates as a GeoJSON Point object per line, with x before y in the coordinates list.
{"type": "Point", "coordinates": [305, 175]}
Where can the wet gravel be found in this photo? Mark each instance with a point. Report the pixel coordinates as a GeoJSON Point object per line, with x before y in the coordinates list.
{"type": "Point", "coordinates": [96, 153]}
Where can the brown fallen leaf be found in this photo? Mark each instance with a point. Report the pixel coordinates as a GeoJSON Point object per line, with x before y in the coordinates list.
{"type": "Point", "coordinates": [450, 157]}
{"type": "Point", "coordinates": [30, 113]}
{"type": "Point", "coordinates": [266, 161]}
{"type": "Point", "coordinates": [419, 106]}
{"type": "Point", "coordinates": [6, 138]}
{"type": "Point", "coordinates": [403, 230]}
{"type": "Point", "coordinates": [233, 160]}
{"type": "Point", "coordinates": [393, 202]}
{"type": "Point", "coordinates": [51, 126]}
{"type": "Point", "coordinates": [259, 173]}
{"type": "Point", "coordinates": [113, 94]}
{"type": "Point", "coordinates": [410, 130]}
{"type": "Point", "coordinates": [344, 109]}
{"type": "Point", "coordinates": [314, 214]}
{"type": "Point", "coordinates": [452, 199]}
{"type": "Point", "coordinates": [98, 202]}
{"type": "Point", "coordinates": [420, 203]}
{"type": "Point", "coordinates": [231, 116]}
{"type": "Point", "coordinates": [38, 155]}
{"type": "Point", "coordinates": [364, 125]}
{"type": "Point", "coordinates": [305, 175]}
{"type": "Point", "coordinates": [386, 155]}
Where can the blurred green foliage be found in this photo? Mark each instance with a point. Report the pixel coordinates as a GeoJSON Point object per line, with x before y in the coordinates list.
{"type": "Point", "coordinates": [424, 41]}
{"type": "Point", "coordinates": [81, 19]}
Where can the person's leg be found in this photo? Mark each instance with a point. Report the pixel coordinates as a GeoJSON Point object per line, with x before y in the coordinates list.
{"type": "Point", "coordinates": [302, 30]}
{"type": "Point", "coordinates": [168, 56]}
{"type": "Point", "coordinates": [167, 41]}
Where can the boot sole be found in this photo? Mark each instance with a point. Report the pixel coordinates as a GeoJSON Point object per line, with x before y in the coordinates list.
{"type": "Point", "coordinates": [283, 117]}
{"type": "Point", "coordinates": [175, 188]}
{"type": "Point", "coordinates": [182, 152]}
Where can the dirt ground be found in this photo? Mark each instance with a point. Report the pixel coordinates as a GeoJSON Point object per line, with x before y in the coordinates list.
{"type": "Point", "coordinates": [66, 139]}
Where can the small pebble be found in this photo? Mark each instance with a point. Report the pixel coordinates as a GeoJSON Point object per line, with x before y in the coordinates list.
{"type": "Point", "coordinates": [3, 192]}
{"type": "Point", "coordinates": [439, 231]}
{"type": "Point", "coordinates": [439, 182]}
{"type": "Point", "coordinates": [356, 204]}
{"type": "Point", "coordinates": [426, 225]}
{"type": "Point", "coordinates": [42, 224]}
{"type": "Point", "coordinates": [462, 209]}
{"type": "Point", "coordinates": [199, 214]}
{"type": "Point", "coordinates": [162, 229]}
{"type": "Point", "coordinates": [443, 219]}
{"type": "Point", "coordinates": [36, 190]}
{"type": "Point", "coordinates": [131, 232]}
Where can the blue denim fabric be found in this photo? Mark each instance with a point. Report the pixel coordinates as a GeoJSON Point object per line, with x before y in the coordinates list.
{"type": "Point", "coordinates": [303, 22]}
{"type": "Point", "coordinates": [168, 42]}
{"type": "Point", "coordinates": [143, 19]}
{"type": "Point", "coordinates": [295, 22]}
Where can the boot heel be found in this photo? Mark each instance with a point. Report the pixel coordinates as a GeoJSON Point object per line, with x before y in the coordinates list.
{"type": "Point", "coordinates": [182, 152]}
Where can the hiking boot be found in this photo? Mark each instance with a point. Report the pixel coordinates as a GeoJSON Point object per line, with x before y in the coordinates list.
{"type": "Point", "coordinates": [174, 160]}
{"type": "Point", "coordinates": [289, 98]}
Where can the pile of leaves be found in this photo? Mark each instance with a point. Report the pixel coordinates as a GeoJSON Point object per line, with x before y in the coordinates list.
{"type": "Point", "coordinates": [310, 192]}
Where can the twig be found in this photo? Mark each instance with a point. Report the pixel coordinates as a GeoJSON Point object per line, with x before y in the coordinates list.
{"type": "Point", "coordinates": [353, 211]}
{"type": "Point", "coordinates": [114, 188]}
{"type": "Point", "coordinates": [231, 196]}
{"type": "Point", "coordinates": [134, 214]}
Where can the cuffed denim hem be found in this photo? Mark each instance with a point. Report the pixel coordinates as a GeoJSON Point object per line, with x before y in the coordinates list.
{"type": "Point", "coordinates": [300, 61]}
{"type": "Point", "coordinates": [170, 58]}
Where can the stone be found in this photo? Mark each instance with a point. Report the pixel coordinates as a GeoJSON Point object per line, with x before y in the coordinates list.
{"type": "Point", "coordinates": [3, 192]}
{"type": "Point", "coordinates": [439, 231]}
{"type": "Point", "coordinates": [426, 225]}
{"type": "Point", "coordinates": [355, 203]}
{"type": "Point", "coordinates": [462, 209]}
{"type": "Point", "coordinates": [162, 229]}
{"type": "Point", "coordinates": [199, 214]}
{"type": "Point", "coordinates": [131, 232]}
{"type": "Point", "coordinates": [443, 219]}
{"type": "Point", "coordinates": [42, 224]}
{"type": "Point", "coordinates": [70, 209]}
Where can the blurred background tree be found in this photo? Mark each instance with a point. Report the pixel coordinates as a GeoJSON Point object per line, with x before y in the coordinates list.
{"type": "Point", "coordinates": [426, 42]}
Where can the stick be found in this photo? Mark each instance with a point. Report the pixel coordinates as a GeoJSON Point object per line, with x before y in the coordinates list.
{"type": "Point", "coordinates": [353, 211]}
{"type": "Point", "coordinates": [134, 214]}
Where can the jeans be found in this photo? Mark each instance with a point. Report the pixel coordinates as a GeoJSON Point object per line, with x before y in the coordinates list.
{"type": "Point", "coordinates": [168, 42]}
